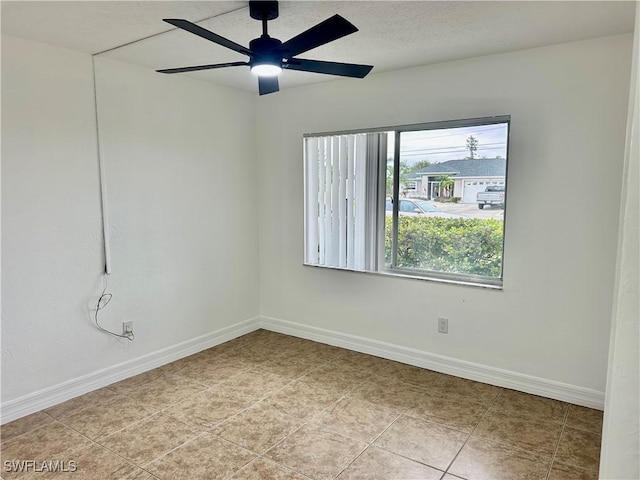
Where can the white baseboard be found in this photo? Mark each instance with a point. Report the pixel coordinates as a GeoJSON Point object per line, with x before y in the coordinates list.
{"type": "Point", "coordinates": [56, 394]}
{"type": "Point", "coordinates": [452, 366]}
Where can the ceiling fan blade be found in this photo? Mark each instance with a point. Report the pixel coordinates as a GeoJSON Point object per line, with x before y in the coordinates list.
{"type": "Point", "coordinates": [330, 68]}
{"type": "Point", "coordinates": [206, 34]}
{"type": "Point", "coordinates": [268, 85]}
{"type": "Point", "coordinates": [201, 67]}
{"type": "Point", "coordinates": [324, 32]}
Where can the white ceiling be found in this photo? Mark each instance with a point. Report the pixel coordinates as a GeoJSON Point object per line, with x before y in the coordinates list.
{"type": "Point", "coordinates": [392, 34]}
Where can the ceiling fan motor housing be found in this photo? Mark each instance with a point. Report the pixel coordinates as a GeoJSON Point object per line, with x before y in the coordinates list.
{"type": "Point", "coordinates": [263, 10]}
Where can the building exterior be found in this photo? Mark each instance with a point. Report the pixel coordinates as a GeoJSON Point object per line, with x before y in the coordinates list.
{"type": "Point", "coordinates": [469, 176]}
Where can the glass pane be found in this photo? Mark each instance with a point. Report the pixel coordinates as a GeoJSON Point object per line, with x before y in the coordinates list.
{"type": "Point", "coordinates": [453, 221]}
{"type": "Point", "coordinates": [388, 217]}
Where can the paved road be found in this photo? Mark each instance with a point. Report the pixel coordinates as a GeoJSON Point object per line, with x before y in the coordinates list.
{"type": "Point", "coordinates": [471, 210]}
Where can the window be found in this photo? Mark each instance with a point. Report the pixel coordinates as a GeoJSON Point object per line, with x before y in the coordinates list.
{"type": "Point", "coordinates": [449, 229]}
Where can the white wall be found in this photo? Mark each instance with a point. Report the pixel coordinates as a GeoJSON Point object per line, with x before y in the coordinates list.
{"type": "Point", "coordinates": [50, 215]}
{"type": "Point", "coordinates": [620, 457]}
{"type": "Point", "coordinates": [183, 216]}
{"type": "Point", "coordinates": [182, 200]}
{"type": "Point", "coordinates": [568, 108]}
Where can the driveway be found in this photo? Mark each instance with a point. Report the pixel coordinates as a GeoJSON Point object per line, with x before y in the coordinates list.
{"type": "Point", "coordinates": [471, 210]}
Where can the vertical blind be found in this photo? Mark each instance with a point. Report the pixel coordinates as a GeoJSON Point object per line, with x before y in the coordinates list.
{"type": "Point", "coordinates": [341, 181]}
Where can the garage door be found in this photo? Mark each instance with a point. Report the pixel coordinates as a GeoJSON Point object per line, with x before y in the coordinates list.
{"type": "Point", "coordinates": [471, 189]}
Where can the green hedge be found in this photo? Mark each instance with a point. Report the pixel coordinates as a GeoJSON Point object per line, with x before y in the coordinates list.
{"type": "Point", "coordinates": [457, 245]}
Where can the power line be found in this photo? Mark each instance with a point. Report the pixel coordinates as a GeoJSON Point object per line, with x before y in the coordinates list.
{"type": "Point", "coordinates": [424, 154]}
{"type": "Point", "coordinates": [429, 137]}
{"type": "Point", "coordinates": [454, 150]}
{"type": "Point", "coordinates": [454, 147]}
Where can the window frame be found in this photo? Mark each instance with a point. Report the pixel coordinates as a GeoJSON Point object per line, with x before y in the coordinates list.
{"type": "Point", "coordinates": [380, 267]}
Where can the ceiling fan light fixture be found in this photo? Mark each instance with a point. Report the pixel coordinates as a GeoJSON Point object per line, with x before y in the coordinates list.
{"type": "Point", "coordinates": [266, 69]}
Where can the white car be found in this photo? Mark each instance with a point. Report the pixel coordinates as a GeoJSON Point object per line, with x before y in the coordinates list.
{"type": "Point", "coordinates": [417, 207]}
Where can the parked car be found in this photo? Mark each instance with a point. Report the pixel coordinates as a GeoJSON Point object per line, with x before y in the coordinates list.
{"type": "Point", "coordinates": [492, 195]}
{"type": "Point", "coordinates": [417, 207]}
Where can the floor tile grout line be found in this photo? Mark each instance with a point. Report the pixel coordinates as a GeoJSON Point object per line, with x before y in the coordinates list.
{"type": "Point", "coordinates": [79, 433]}
{"type": "Point", "coordinates": [74, 398]}
{"type": "Point", "coordinates": [204, 386]}
{"type": "Point", "coordinates": [437, 421]}
{"type": "Point", "coordinates": [526, 416]}
{"type": "Point", "coordinates": [353, 460]}
{"type": "Point", "coordinates": [400, 414]}
{"type": "Point", "coordinates": [158, 410]}
{"type": "Point", "coordinates": [316, 418]}
{"type": "Point", "coordinates": [368, 442]}
{"type": "Point", "coordinates": [310, 421]}
{"type": "Point", "coordinates": [473, 430]}
{"type": "Point", "coordinates": [260, 400]}
{"type": "Point", "coordinates": [131, 462]}
{"type": "Point", "coordinates": [307, 422]}
{"type": "Point", "coordinates": [146, 417]}
{"type": "Point", "coordinates": [371, 443]}
{"type": "Point", "coordinates": [80, 410]}
{"type": "Point", "coordinates": [509, 445]}
{"type": "Point", "coordinates": [263, 454]}
{"type": "Point", "coordinates": [286, 467]}
{"type": "Point", "coordinates": [190, 440]}
{"type": "Point", "coordinates": [210, 429]}
{"type": "Point", "coordinates": [94, 443]}
{"type": "Point", "coordinates": [408, 458]}
{"type": "Point", "coordinates": [555, 451]}
{"type": "Point", "coordinates": [255, 402]}
{"type": "Point", "coordinates": [11, 439]}
{"type": "Point", "coordinates": [106, 402]}
{"type": "Point", "coordinates": [137, 422]}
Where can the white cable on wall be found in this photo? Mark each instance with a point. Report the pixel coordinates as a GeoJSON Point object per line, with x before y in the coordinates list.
{"type": "Point", "coordinates": [103, 184]}
{"type": "Point", "coordinates": [105, 297]}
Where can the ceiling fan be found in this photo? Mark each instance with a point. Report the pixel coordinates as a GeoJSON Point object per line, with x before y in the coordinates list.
{"type": "Point", "coordinates": [269, 56]}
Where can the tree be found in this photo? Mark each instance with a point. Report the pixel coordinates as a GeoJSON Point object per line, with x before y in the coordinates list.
{"type": "Point", "coordinates": [404, 172]}
{"type": "Point", "coordinates": [472, 145]}
{"type": "Point", "coordinates": [446, 185]}
{"type": "Point", "coordinates": [420, 165]}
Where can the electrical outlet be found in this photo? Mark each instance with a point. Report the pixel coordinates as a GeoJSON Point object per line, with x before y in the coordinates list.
{"type": "Point", "coordinates": [127, 328]}
{"type": "Point", "coordinates": [443, 325]}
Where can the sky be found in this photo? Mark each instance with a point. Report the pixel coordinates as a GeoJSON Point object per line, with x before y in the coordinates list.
{"type": "Point", "coordinates": [451, 143]}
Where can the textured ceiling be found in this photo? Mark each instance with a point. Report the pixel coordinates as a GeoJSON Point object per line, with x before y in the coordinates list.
{"type": "Point", "coordinates": [93, 27]}
{"type": "Point", "coordinates": [392, 35]}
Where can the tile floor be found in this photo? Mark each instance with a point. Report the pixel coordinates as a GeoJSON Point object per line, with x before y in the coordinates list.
{"type": "Point", "coordinates": [269, 406]}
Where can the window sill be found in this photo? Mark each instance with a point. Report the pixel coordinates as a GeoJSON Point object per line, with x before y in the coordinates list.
{"type": "Point", "coordinates": [397, 273]}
